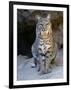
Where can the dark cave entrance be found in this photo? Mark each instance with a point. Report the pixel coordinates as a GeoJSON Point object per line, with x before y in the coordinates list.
{"type": "Point", "coordinates": [25, 37]}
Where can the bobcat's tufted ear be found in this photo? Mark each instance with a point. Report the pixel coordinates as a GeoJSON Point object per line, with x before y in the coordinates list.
{"type": "Point", "coordinates": [49, 17]}
{"type": "Point", "coordinates": [38, 17]}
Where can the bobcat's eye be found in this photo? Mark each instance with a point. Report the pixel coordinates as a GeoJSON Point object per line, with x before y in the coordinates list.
{"type": "Point", "coordinates": [47, 24]}
{"type": "Point", "coordinates": [40, 27]}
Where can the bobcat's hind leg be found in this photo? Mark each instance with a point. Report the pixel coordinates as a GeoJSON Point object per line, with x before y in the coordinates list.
{"type": "Point", "coordinates": [38, 65]}
{"type": "Point", "coordinates": [53, 63]}
{"type": "Point", "coordinates": [34, 65]}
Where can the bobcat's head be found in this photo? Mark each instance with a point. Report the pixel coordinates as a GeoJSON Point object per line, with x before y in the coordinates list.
{"type": "Point", "coordinates": [44, 26]}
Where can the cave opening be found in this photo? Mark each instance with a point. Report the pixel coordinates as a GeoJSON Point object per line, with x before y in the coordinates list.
{"type": "Point", "coordinates": [25, 36]}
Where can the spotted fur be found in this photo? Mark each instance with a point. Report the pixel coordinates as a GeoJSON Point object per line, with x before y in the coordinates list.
{"type": "Point", "coordinates": [44, 48]}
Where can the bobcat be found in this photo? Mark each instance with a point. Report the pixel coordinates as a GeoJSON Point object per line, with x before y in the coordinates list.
{"type": "Point", "coordinates": [44, 48]}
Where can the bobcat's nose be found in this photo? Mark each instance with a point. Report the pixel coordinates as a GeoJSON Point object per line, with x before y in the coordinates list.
{"type": "Point", "coordinates": [42, 30]}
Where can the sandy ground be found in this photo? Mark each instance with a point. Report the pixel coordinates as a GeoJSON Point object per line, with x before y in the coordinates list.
{"type": "Point", "coordinates": [25, 72]}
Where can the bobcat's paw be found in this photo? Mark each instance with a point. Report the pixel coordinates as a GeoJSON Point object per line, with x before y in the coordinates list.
{"type": "Point", "coordinates": [49, 70]}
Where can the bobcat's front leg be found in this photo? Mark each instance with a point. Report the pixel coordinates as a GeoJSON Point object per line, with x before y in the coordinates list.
{"type": "Point", "coordinates": [42, 65]}
{"type": "Point", "coordinates": [47, 66]}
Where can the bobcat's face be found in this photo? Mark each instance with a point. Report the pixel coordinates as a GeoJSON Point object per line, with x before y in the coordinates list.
{"type": "Point", "coordinates": [43, 24]}
{"type": "Point", "coordinates": [44, 27]}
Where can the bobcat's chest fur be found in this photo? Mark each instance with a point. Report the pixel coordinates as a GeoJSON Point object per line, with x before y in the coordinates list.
{"type": "Point", "coordinates": [47, 44]}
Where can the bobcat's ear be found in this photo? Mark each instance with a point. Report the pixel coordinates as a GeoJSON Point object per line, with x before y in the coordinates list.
{"type": "Point", "coordinates": [49, 17]}
{"type": "Point", "coordinates": [38, 17]}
